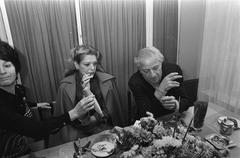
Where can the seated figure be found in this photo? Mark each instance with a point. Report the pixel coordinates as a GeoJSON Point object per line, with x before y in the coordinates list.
{"type": "Point", "coordinates": [83, 79]}
{"type": "Point", "coordinates": [157, 85]}
{"type": "Point", "coordinates": [16, 119]}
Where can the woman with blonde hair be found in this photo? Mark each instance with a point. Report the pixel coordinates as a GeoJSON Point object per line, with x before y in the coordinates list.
{"type": "Point", "coordinates": [85, 78]}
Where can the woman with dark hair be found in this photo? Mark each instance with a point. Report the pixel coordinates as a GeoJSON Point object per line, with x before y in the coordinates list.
{"type": "Point", "coordinates": [87, 78]}
{"type": "Point", "coordinates": [15, 115]}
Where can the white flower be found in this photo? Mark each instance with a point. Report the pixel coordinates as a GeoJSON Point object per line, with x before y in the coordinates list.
{"type": "Point", "coordinates": [135, 147]}
{"type": "Point", "coordinates": [137, 124]}
{"type": "Point", "coordinates": [167, 141]}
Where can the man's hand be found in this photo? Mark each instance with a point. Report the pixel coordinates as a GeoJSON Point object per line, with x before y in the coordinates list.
{"type": "Point", "coordinates": [169, 82]}
{"type": "Point", "coordinates": [170, 103]}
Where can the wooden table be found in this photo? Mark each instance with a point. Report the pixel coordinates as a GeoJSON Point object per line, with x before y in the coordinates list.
{"type": "Point", "coordinates": [210, 126]}
{"type": "Point", "coordinates": [66, 150]}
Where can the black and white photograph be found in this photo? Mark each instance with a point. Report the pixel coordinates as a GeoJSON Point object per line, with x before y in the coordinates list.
{"type": "Point", "coordinates": [119, 78]}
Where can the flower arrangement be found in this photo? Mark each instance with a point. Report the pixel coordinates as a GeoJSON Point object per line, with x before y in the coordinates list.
{"type": "Point", "coordinates": [158, 139]}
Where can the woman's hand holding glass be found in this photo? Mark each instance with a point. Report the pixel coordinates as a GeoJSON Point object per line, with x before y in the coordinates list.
{"type": "Point", "coordinates": [82, 108]}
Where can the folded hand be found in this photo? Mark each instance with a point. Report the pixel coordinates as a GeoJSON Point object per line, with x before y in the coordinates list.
{"type": "Point", "coordinates": [169, 102]}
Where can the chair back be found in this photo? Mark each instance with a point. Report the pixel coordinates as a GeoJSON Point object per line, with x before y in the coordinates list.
{"type": "Point", "coordinates": [41, 114]}
{"type": "Point", "coordinates": [191, 88]}
{"type": "Point", "coordinates": [132, 109]}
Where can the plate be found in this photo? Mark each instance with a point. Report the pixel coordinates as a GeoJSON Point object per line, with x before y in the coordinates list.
{"type": "Point", "coordinates": [219, 142]}
{"type": "Point", "coordinates": [102, 149]}
{"type": "Point", "coordinates": [233, 119]}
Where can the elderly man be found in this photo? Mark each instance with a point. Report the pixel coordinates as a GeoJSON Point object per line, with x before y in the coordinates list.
{"type": "Point", "coordinates": [156, 86]}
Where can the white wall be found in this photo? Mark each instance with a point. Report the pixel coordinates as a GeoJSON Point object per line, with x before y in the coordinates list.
{"type": "Point", "coordinates": [192, 13]}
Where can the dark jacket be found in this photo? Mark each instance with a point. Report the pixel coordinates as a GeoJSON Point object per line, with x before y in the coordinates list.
{"type": "Point", "coordinates": [66, 101]}
{"type": "Point", "coordinates": [145, 100]}
{"type": "Point", "coordinates": [13, 123]}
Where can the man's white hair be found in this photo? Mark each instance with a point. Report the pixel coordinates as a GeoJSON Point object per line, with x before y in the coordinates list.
{"type": "Point", "coordinates": [146, 53]}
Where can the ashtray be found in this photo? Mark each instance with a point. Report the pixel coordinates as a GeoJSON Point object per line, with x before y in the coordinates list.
{"type": "Point", "coordinates": [102, 149]}
{"type": "Point", "coordinates": [235, 121]}
{"type": "Point", "coordinates": [220, 142]}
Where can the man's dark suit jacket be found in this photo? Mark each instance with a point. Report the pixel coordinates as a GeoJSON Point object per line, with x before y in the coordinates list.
{"type": "Point", "coordinates": [144, 97]}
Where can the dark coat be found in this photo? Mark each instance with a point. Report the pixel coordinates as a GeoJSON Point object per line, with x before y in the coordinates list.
{"type": "Point", "coordinates": [145, 100]}
{"type": "Point", "coordinates": [14, 125]}
{"type": "Point", "coordinates": [66, 101]}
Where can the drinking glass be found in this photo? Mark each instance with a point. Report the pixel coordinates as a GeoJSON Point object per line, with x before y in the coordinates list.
{"type": "Point", "coordinates": [200, 110]}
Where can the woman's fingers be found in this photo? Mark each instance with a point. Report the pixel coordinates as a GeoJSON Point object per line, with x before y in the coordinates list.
{"type": "Point", "coordinates": [87, 103]}
{"type": "Point", "coordinates": [87, 99]}
{"type": "Point", "coordinates": [90, 106]}
{"type": "Point", "coordinates": [84, 83]}
{"type": "Point", "coordinates": [86, 80]}
{"type": "Point", "coordinates": [87, 77]}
